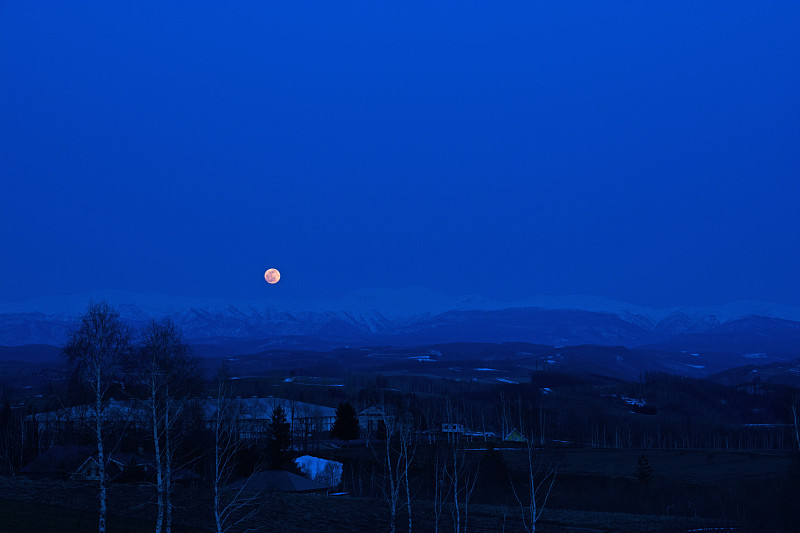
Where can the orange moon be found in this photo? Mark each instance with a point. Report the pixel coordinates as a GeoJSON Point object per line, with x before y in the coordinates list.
{"type": "Point", "coordinates": [272, 276]}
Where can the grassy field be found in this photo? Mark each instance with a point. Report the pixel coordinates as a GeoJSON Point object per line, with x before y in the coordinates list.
{"type": "Point", "coordinates": [585, 475]}
{"type": "Point", "coordinates": [25, 517]}
{"type": "Point", "coordinates": [70, 507]}
{"type": "Point", "coordinates": [703, 467]}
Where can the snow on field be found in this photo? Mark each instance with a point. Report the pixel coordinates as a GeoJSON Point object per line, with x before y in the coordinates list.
{"type": "Point", "coordinates": [320, 470]}
{"type": "Point", "coordinates": [504, 380]}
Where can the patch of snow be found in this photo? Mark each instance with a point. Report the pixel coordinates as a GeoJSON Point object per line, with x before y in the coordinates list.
{"type": "Point", "coordinates": [504, 380]}
{"type": "Point", "coordinates": [634, 401]}
{"type": "Point", "coordinates": [320, 470]}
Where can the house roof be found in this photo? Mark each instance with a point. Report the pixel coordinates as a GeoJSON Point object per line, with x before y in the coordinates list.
{"type": "Point", "coordinates": [261, 408]}
{"type": "Point", "coordinates": [240, 408]}
{"type": "Point", "coordinates": [67, 460]}
{"type": "Point", "coordinates": [278, 481]}
{"type": "Point", "coordinates": [58, 460]}
{"type": "Point", "coordinates": [371, 411]}
{"type": "Point", "coordinates": [516, 436]}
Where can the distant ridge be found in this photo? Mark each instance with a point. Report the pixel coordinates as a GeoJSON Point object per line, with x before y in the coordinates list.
{"type": "Point", "coordinates": [415, 315]}
{"type": "Point", "coordinates": [393, 303]}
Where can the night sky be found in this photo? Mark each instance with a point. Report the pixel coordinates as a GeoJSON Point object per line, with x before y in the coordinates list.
{"type": "Point", "coordinates": [642, 151]}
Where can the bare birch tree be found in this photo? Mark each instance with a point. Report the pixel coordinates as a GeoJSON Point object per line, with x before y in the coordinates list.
{"type": "Point", "coordinates": [460, 472]}
{"type": "Point", "coordinates": [94, 351]}
{"type": "Point", "coordinates": [795, 407]}
{"type": "Point", "coordinates": [395, 457]}
{"type": "Point", "coordinates": [541, 471]}
{"type": "Point", "coordinates": [8, 424]}
{"type": "Point", "coordinates": [408, 444]}
{"type": "Point", "coordinates": [441, 489]}
{"type": "Point", "coordinates": [230, 506]}
{"type": "Point", "coordinates": [164, 364]}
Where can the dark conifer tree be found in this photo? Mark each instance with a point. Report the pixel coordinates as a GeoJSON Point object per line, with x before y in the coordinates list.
{"type": "Point", "coordinates": [7, 427]}
{"type": "Point", "coordinates": [346, 427]}
{"type": "Point", "coordinates": [280, 441]}
{"type": "Point", "coordinates": [495, 477]}
{"type": "Point", "coordinates": [644, 472]}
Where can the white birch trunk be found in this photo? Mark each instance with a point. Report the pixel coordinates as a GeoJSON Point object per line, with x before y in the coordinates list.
{"type": "Point", "coordinates": [101, 464]}
{"type": "Point", "coordinates": [456, 509]}
{"type": "Point", "coordinates": [393, 490]}
{"type": "Point", "coordinates": [159, 478]}
{"type": "Point", "coordinates": [168, 458]}
{"type": "Point", "coordinates": [408, 491]}
{"type": "Point", "coordinates": [218, 521]}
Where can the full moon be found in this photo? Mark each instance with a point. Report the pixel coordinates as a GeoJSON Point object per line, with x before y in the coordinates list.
{"type": "Point", "coordinates": [272, 276]}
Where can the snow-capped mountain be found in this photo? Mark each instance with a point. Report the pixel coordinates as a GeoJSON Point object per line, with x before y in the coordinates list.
{"type": "Point", "coordinates": [416, 316]}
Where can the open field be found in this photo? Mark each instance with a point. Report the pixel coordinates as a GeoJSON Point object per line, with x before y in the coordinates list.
{"type": "Point", "coordinates": [288, 512]}
{"type": "Point", "coordinates": [697, 467]}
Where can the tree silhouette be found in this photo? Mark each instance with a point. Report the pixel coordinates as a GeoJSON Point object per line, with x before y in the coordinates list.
{"type": "Point", "coordinates": [644, 472]}
{"type": "Point", "coordinates": [280, 441]}
{"type": "Point", "coordinates": [94, 351]}
{"type": "Point", "coordinates": [164, 365]}
{"type": "Point", "coordinates": [346, 427]}
{"type": "Point", "coordinates": [231, 506]}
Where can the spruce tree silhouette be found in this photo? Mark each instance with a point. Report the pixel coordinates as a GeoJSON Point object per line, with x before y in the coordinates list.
{"type": "Point", "coordinates": [644, 472]}
{"type": "Point", "coordinates": [346, 427]}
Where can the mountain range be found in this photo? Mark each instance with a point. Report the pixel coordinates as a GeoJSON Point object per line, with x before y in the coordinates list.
{"type": "Point", "coordinates": [415, 316]}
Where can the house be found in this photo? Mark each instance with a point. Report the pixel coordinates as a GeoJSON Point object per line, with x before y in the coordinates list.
{"type": "Point", "coordinates": [515, 436]}
{"type": "Point", "coordinates": [89, 470]}
{"type": "Point", "coordinates": [119, 467]}
{"type": "Point", "coordinates": [372, 418]}
{"type": "Point", "coordinates": [453, 428]}
{"type": "Point", "coordinates": [249, 416]}
{"type": "Point", "coordinates": [58, 462]}
{"type": "Point", "coordinates": [80, 463]}
{"type": "Point", "coordinates": [81, 418]}
{"type": "Point", "coordinates": [252, 416]}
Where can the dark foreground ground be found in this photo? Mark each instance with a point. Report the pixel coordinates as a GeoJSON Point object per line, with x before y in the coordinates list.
{"type": "Point", "coordinates": [70, 508]}
{"type": "Point", "coordinates": [596, 490]}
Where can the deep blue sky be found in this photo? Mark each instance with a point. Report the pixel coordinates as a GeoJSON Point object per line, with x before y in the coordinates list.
{"type": "Point", "coordinates": [643, 151]}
